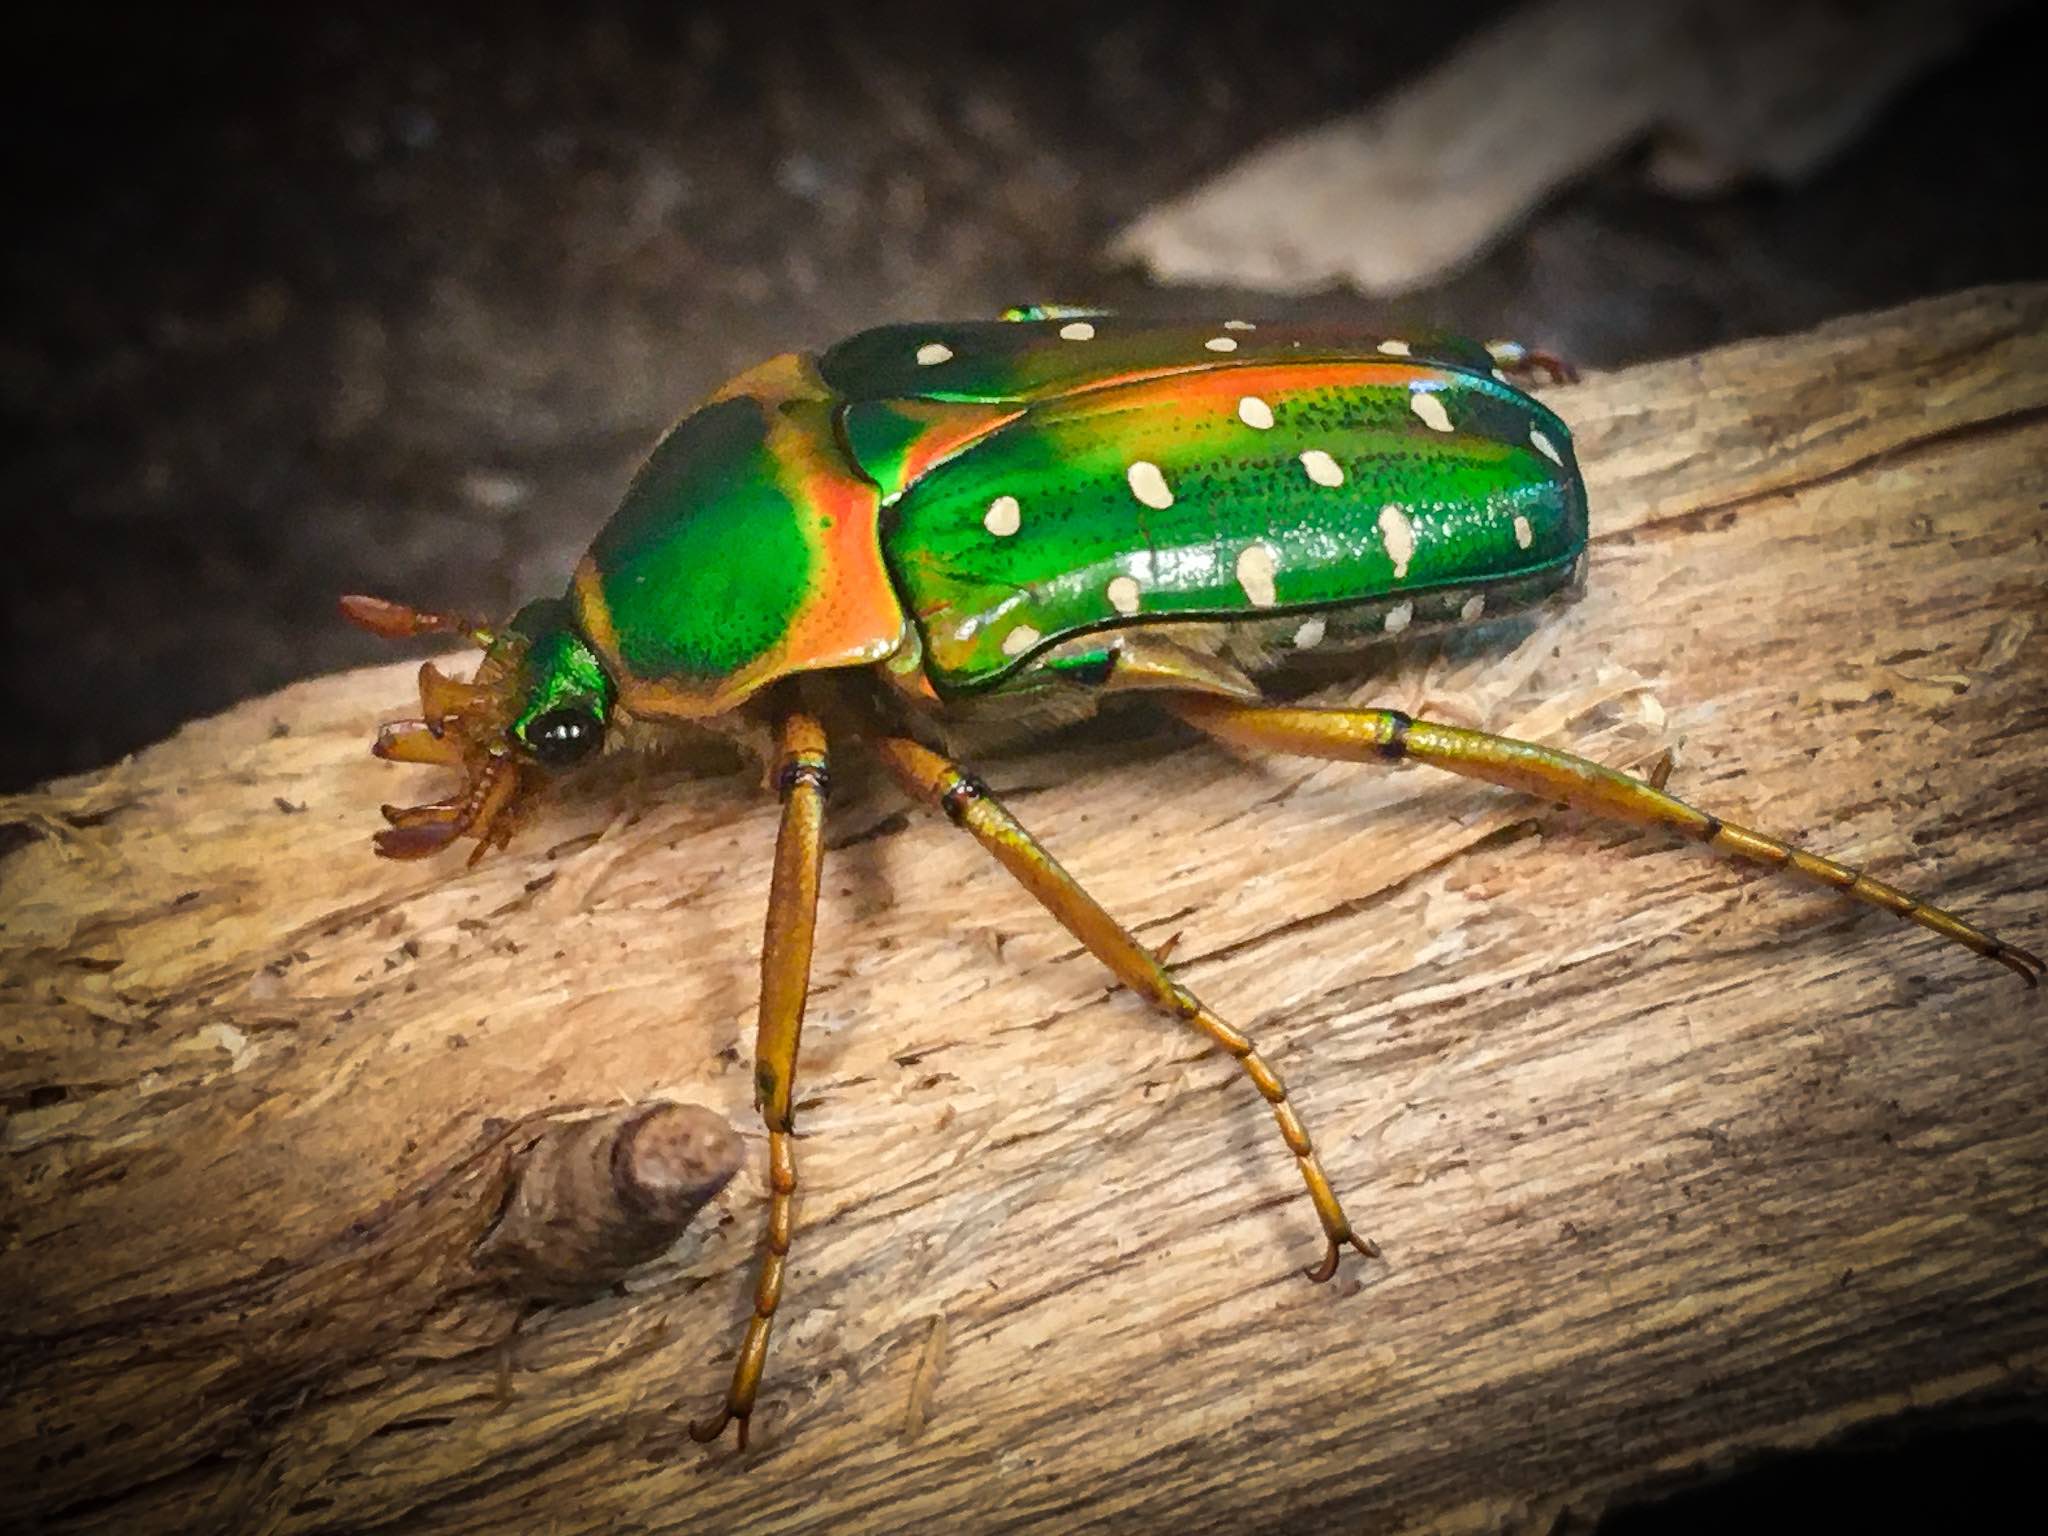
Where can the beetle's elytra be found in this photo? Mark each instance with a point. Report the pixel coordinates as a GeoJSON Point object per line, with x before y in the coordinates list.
{"type": "Point", "coordinates": [931, 522]}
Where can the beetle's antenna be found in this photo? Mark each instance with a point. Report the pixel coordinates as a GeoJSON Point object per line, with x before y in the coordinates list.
{"type": "Point", "coordinates": [402, 621]}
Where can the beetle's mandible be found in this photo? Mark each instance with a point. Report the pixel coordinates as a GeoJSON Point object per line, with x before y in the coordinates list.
{"type": "Point", "coordinates": [932, 523]}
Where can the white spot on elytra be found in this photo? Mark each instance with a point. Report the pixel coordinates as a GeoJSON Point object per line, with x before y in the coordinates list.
{"type": "Point", "coordinates": [1311, 633]}
{"type": "Point", "coordinates": [1077, 330]}
{"type": "Point", "coordinates": [1019, 640]}
{"type": "Point", "coordinates": [1321, 468]}
{"type": "Point", "coordinates": [1394, 348]}
{"type": "Point", "coordinates": [932, 353]}
{"type": "Point", "coordinates": [1475, 605]}
{"type": "Point", "coordinates": [1254, 412]}
{"type": "Point", "coordinates": [1499, 375]}
{"type": "Point", "coordinates": [1149, 485]}
{"type": "Point", "coordinates": [1221, 343]}
{"type": "Point", "coordinates": [1123, 594]}
{"type": "Point", "coordinates": [1524, 534]}
{"type": "Point", "coordinates": [1239, 325]}
{"type": "Point", "coordinates": [1400, 536]}
{"type": "Point", "coordinates": [1004, 517]}
{"type": "Point", "coordinates": [1545, 446]}
{"type": "Point", "coordinates": [1424, 403]}
{"type": "Point", "coordinates": [1255, 568]}
{"type": "Point", "coordinates": [1399, 617]}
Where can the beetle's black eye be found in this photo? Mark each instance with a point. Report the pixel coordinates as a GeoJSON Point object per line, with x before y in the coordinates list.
{"type": "Point", "coordinates": [563, 736]}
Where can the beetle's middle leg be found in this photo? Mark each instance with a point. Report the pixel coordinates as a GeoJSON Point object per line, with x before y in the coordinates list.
{"type": "Point", "coordinates": [967, 801]}
{"type": "Point", "coordinates": [1387, 735]}
{"type": "Point", "coordinates": [800, 776]}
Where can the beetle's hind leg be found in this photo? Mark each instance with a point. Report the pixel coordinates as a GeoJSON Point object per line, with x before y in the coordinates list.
{"type": "Point", "coordinates": [1511, 357]}
{"type": "Point", "coordinates": [931, 778]}
{"type": "Point", "coordinates": [1387, 735]}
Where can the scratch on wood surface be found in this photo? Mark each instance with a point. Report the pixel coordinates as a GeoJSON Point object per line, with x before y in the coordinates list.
{"type": "Point", "coordinates": [924, 1378]}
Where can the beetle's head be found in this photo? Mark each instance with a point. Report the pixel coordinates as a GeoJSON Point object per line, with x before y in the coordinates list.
{"type": "Point", "coordinates": [540, 703]}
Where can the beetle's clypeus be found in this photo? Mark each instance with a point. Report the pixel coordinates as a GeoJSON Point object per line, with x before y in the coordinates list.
{"type": "Point", "coordinates": [926, 523]}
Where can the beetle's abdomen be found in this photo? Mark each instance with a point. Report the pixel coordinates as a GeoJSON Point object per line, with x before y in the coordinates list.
{"type": "Point", "coordinates": [1238, 492]}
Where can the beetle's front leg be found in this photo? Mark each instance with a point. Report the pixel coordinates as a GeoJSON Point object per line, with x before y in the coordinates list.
{"type": "Point", "coordinates": [931, 778]}
{"type": "Point", "coordinates": [801, 778]}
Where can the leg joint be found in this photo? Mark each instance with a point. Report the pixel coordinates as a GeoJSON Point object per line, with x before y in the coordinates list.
{"type": "Point", "coordinates": [1395, 747]}
{"type": "Point", "coordinates": [959, 795]}
{"type": "Point", "coordinates": [804, 769]}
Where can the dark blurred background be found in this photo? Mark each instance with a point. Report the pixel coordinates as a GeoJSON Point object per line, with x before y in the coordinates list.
{"type": "Point", "coordinates": [297, 304]}
{"type": "Point", "coordinates": [393, 303]}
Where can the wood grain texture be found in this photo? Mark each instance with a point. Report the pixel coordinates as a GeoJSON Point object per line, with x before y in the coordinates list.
{"type": "Point", "coordinates": [1670, 1160]}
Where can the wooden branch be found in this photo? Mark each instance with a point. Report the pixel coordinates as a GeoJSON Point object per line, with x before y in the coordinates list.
{"type": "Point", "coordinates": [1671, 1161]}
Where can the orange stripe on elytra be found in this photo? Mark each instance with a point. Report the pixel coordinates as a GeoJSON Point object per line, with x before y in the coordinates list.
{"type": "Point", "coordinates": [951, 426]}
{"type": "Point", "coordinates": [945, 428]}
{"type": "Point", "coordinates": [1200, 387]}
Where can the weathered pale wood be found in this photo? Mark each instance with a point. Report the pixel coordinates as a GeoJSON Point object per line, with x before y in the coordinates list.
{"type": "Point", "coordinates": [1412, 188]}
{"type": "Point", "coordinates": [1670, 1160]}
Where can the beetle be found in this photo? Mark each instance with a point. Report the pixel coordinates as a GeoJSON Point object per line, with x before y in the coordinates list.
{"type": "Point", "coordinates": [930, 525]}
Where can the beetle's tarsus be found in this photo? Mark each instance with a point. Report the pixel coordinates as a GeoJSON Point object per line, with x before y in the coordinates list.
{"type": "Point", "coordinates": [2031, 967]}
{"type": "Point", "coordinates": [1323, 1271]}
{"type": "Point", "coordinates": [704, 1431]}
{"type": "Point", "coordinates": [1328, 1268]}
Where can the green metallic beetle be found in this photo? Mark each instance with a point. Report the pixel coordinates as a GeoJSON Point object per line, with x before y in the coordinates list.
{"type": "Point", "coordinates": [929, 524]}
